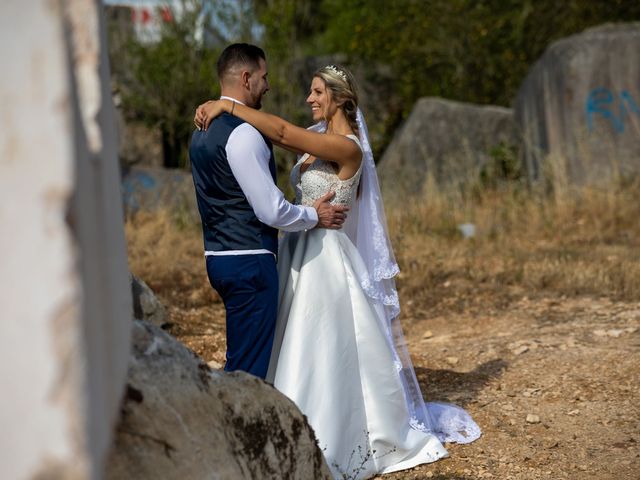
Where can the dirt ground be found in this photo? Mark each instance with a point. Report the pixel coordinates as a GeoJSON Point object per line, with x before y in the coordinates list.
{"type": "Point", "coordinates": [553, 382]}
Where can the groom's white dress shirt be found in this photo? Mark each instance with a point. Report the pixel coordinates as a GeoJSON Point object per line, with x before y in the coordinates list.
{"type": "Point", "coordinates": [248, 156]}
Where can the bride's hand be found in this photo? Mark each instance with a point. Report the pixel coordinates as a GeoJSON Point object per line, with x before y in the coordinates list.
{"type": "Point", "coordinates": [206, 112]}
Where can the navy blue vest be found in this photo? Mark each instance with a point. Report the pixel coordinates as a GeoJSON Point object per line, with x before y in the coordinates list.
{"type": "Point", "coordinates": [228, 221]}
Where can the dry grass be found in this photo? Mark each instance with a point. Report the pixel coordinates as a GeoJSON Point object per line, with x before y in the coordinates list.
{"type": "Point", "coordinates": [167, 253]}
{"type": "Point", "coordinates": [581, 242]}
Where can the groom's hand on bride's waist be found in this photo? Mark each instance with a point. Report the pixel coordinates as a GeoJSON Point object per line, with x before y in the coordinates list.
{"type": "Point", "coordinates": [330, 216]}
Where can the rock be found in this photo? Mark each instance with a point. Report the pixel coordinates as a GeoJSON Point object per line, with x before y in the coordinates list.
{"type": "Point", "coordinates": [467, 230]}
{"type": "Point", "coordinates": [428, 334]}
{"type": "Point", "coordinates": [452, 360]}
{"type": "Point", "coordinates": [146, 305]}
{"type": "Point", "coordinates": [445, 140]}
{"type": "Point", "coordinates": [140, 144]}
{"type": "Point", "coordinates": [551, 443]}
{"type": "Point", "coordinates": [533, 419]}
{"type": "Point", "coordinates": [180, 419]}
{"type": "Point", "coordinates": [214, 365]}
{"type": "Point", "coordinates": [633, 314]}
{"type": "Point", "coordinates": [154, 188]}
{"type": "Point", "coordinates": [615, 332]}
{"type": "Point", "coordinates": [579, 107]}
{"type": "Point", "coordinates": [571, 343]}
{"type": "Point", "coordinates": [530, 392]}
{"type": "Point", "coordinates": [520, 350]}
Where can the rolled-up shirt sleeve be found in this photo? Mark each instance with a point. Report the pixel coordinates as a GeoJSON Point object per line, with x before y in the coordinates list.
{"type": "Point", "coordinates": [248, 156]}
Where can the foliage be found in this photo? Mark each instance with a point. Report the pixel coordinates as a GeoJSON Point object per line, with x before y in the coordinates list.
{"type": "Point", "coordinates": [503, 166]}
{"type": "Point", "coordinates": [160, 83]}
{"type": "Point", "coordinates": [289, 28]}
{"type": "Point", "coordinates": [476, 51]}
{"type": "Point", "coordinates": [470, 50]}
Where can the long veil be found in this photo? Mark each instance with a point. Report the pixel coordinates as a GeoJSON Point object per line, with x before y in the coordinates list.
{"type": "Point", "coordinates": [449, 422]}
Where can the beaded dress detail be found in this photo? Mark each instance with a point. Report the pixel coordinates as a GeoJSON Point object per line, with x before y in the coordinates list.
{"type": "Point", "coordinates": [320, 177]}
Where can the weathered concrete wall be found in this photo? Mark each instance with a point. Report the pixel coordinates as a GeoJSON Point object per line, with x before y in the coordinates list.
{"type": "Point", "coordinates": [579, 107]}
{"type": "Point", "coordinates": [65, 292]}
{"type": "Point", "coordinates": [447, 140]}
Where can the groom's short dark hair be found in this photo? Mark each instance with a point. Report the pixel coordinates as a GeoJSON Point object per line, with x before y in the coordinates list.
{"type": "Point", "coordinates": [239, 54]}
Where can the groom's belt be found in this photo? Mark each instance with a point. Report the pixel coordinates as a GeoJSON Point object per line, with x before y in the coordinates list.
{"type": "Point", "coordinates": [210, 253]}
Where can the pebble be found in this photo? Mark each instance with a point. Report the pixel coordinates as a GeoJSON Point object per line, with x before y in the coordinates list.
{"type": "Point", "coordinates": [531, 418]}
{"type": "Point", "coordinates": [428, 334]}
{"type": "Point", "coordinates": [613, 332]}
{"type": "Point", "coordinates": [215, 365]}
{"type": "Point", "coordinates": [521, 350]}
{"type": "Point", "coordinates": [551, 443]}
{"type": "Point", "coordinates": [452, 360]}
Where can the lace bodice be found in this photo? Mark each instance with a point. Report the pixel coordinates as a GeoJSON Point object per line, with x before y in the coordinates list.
{"type": "Point", "coordinates": [320, 177]}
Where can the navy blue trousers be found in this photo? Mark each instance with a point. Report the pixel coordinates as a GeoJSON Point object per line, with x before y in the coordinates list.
{"type": "Point", "coordinates": [248, 285]}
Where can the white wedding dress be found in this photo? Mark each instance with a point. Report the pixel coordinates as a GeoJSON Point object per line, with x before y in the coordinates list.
{"type": "Point", "coordinates": [334, 356]}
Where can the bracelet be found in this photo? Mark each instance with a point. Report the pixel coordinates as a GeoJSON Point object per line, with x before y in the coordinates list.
{"type": "Point", "coordinates": [232, 107]}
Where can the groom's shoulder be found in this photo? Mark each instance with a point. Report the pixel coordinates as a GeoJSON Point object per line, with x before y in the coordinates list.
{"type": "Point", "coordinates": [220, 129]}
{"type": "Point", "coordinates": [229, 121]}
{"type": "Point", "coordinates": [226, 125]}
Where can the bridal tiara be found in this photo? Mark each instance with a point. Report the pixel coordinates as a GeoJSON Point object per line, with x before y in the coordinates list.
{"type": "Point", "coordinates": [337, 71]}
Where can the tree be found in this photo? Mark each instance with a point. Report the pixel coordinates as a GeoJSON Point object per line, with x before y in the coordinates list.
{"type": "Point", "coordinates": [162, 82]}
{"type": "Point", "coordinates": [470, 50]}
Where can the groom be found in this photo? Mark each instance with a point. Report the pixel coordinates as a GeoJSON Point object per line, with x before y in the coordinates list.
{"type": "Point", "coordinates": [241, 209]}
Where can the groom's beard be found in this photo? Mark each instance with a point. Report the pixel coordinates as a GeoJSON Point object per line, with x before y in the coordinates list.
{"type": "Point", "coordinates": [258, 102]}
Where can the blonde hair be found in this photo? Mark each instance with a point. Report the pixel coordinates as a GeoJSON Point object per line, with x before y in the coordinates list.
{"type": "Point", "coordinates": [340, 82]}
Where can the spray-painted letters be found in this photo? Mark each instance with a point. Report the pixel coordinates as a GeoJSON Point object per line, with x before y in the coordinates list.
{"type": "Point", "coordinates": [614, 107]}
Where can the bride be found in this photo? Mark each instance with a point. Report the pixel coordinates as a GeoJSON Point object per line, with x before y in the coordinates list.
{"type": "Point", "coordinates": [339, 352]}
